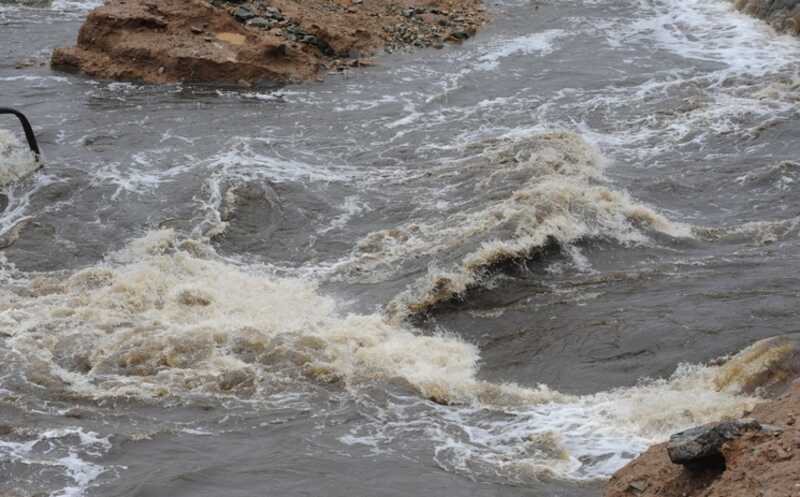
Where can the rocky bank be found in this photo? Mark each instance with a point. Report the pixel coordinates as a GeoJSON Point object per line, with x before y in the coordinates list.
{"type": "Point", "coordinates": [757, 456]}
{"type": "Point", "coordinates": [783, 15]}
{"type": "Point", "coordinates": [253, 41]}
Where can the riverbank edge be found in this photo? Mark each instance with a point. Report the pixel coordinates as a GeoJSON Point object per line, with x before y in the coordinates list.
{"type": "Point", "coordinates": [782, 15]}
{"type": "Point", "coordinates": [756, 463]}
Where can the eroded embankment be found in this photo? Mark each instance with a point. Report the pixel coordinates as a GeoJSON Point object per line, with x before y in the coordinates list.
{"type": "Point", "coordinates": [279, 41]}
{"type": "Point", "coordinates": [759, 462]}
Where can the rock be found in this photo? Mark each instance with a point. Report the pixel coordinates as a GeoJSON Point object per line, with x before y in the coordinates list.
{"type": "Point", "coordinates": [260, 22]}
{"type": "Point", "coordinates": [458, 36]}
{"type": "Point", "coordinates": [701, 447]}
{"type": "Point", "coordinates": [637, 486]}
{"type": "Point", "coordinates": [244, 14]}
{"type": "Point", "coordinates": [153, 41]}
{"type": "Point", "coordinates": [250, 41]}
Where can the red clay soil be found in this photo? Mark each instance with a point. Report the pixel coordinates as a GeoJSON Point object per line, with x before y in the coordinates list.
{"type": "Point", "coordinates": [757, 464]}
{"type": "Point", "coordinates": [277, 41]}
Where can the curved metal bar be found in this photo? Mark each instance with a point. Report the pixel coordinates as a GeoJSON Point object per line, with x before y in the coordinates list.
{"type": "Point", "coordinates": [26, 125]}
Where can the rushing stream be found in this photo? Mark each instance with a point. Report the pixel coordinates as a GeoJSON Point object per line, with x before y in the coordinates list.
{"type": "Point", "coordinates": [500, 268]}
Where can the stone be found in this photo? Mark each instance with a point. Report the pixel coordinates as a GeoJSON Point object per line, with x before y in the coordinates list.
{"type": "Point", "coordinates": [459, 35]}
{"type": "Point", "coordinates": [260, 22]}
{"type": "Point", "coordinates": [244, 14]}
{"type": "Point", "coordinates": [225, 52]}
{"type": "Point", "coordinates": [700, 448]}
{"type": "Point", "coordinates": [637, 486]}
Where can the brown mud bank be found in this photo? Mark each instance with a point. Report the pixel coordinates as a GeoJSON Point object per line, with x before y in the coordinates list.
{"type": "Point", "coordinates": [758, 455]}
{"type": "Point", "coordinates": [246, 42]}
{"type": "Point", "coordinates": [783, 15]}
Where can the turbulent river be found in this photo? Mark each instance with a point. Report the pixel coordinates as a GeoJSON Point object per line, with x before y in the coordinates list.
{"type": "Point", "coordinates": [502, 268]}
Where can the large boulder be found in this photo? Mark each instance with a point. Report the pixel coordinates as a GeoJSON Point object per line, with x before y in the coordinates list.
{"type": "Point", "coordinates": [180, 40]}
{"type": "Point", "coordinates": [700, 448]}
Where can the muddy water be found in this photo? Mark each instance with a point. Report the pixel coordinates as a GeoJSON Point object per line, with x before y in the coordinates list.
{"type": "Point", "coordinates": [501, 268]}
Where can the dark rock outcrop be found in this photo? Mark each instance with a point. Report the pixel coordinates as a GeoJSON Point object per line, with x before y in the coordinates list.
{"type": "Point", "coordinates": [700, 448]}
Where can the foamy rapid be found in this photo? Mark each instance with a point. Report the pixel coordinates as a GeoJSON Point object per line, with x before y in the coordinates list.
{"type": "Point", "coordinates": [167, 318]}
{"type": "Point", "coordinates": [532, 191]}
{"type": "Point", "coordinates": [159, 319]}
{"type": "Point", "coordinates": [715, 31]}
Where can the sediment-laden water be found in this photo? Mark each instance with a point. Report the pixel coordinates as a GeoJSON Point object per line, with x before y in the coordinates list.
{"type": "Point", "coordinates": [501, 268]}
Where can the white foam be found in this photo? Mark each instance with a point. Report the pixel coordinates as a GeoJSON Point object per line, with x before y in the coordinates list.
{"type": "Point", "coordinates": [715, 31]}
{"type": "Point", "coordinates": [541, 43]}
{"type": "Point", "coordinates": [55, 449]}
{"type": "Point", "coordinates": [571, 437]}
{"type": "Point", "coordinates": [80, 5]}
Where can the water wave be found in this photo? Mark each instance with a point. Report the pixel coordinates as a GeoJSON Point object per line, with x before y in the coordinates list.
{"type": "Point", "coordinates": [166, 318]}
{"type": "Point", "coordinates": [531, 192]}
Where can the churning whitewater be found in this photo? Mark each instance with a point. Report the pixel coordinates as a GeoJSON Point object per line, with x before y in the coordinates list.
{"type": "Point", "coordinates": [501, 268]}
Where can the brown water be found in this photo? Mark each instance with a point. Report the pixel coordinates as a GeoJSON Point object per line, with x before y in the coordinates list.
{"type": "Point", "coordinates": [501, 268]}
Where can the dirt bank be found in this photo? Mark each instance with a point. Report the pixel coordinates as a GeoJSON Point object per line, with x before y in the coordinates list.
{"type": "Point", "coordinates": [757, 463]}
{"type": "Point", "coordinates": [245, 42]}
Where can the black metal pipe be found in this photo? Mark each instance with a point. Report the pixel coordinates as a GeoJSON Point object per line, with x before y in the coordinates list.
{"type": "Point", "coordinates": [26, 125]}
